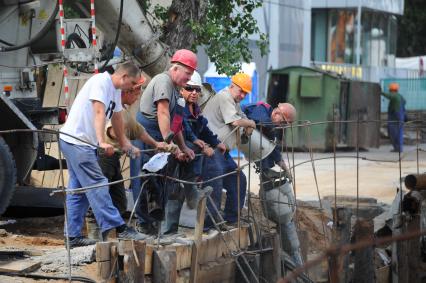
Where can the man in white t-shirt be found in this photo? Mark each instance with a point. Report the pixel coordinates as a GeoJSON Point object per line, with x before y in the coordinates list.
{"type": "Point", "coordinates": [82, 134]}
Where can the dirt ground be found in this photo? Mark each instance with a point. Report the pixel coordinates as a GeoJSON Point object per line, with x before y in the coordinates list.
{"type": "Point", "coordinates": [378, 178]}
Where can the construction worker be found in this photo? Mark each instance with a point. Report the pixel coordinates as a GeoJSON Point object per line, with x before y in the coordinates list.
{"type": "Point", "coordinates": [110, 165]}
{"type": "Point", "coordinates": [276, 190]}
{"type": "Point", "coordinates": [224, 113]}
{"type": "Point", "coordinates": [161, 113]}
{"type": "Point", "coordinates": [197, 132]}
{"type": "Point", "coordinates": [396, 116]}
{"type": "Point", "coordinates": [97, 102]}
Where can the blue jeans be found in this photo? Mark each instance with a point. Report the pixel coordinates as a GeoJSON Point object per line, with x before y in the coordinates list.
{"type": "Point", "coordinates": [151, 126]}
{"type": "Point", "coordinates": [211, 169]}
{"type": "Point", "coordinates": [230, 185]}
{"type": "Point", "coordinates": [396, 129]}
{"type": "Point", "coordinates": [84, 170]}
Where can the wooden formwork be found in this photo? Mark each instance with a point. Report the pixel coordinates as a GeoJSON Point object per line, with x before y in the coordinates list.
{"type": "Point", "coordinates": [172, 263]}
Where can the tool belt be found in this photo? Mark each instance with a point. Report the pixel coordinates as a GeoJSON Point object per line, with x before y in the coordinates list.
{"type": "Point", "coordinates": [271, 179]}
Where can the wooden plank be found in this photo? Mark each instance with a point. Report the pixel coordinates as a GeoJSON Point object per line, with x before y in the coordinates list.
{"type": "Point", "coordinates": [20, 266]}
{"type": "Point", "coordinates": [129, 271]}
{"type": "Point", "coordinates": [213, 248]}
{"type": "Point", "coordinates": [198, 234]}
{"type": "Point", "coordinates": [221, 270]}
{"type": "Point", "coordinates": [164, 267]}
{"type": "Point", "coordinates": [139, 247]}
{"type": "Point", "coordinates": [103, 260]}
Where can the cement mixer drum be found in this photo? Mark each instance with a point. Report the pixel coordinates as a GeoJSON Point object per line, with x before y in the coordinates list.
{"type": "Point", "coordinates": [260, 146]}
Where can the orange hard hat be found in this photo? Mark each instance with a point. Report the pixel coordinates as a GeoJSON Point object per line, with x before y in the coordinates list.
{"type": "Point", "coordinates": [288, 111]}
{"type": "Point", "coordinates": [185, 57]}
{"type": "Point", "coordinates": [243, 81]}
{"type": "Point", "coordinates": [393, 87]}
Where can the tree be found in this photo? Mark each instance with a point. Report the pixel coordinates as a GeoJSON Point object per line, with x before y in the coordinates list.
{"type": "Point", "coordinates": [222, 27]}
{"type": "Point", "coordinates": [411, 31]}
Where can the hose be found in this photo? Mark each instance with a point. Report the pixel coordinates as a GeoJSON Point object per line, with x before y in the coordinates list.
{"type": "Point", "coordinates": [36, 38]}
{"type": "Point", "coordinates": [117, 35]}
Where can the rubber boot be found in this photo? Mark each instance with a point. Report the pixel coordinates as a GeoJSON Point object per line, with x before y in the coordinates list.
{"type": "Point", "coordinates": [170, 224]}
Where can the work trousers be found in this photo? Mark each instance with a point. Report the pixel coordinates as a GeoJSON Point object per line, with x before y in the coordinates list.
{"type": "Point", "coordinates": [230, 183]}
{"type": "Point", "coordinates": [396, 129]}
{"type": "Point", "coordinates": [84, 170]}
{"type": "Point", "coordinates": [211, 168]}
{"type": "Point", "coordinates": [111, 168]}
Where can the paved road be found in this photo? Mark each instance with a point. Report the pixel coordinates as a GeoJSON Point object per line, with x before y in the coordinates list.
{"type": "Point", "coordinates": [378, 173]}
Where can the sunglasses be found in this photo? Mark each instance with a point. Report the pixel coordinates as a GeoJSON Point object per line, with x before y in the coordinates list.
{"type": "Point", "coordinates": [192, 88]}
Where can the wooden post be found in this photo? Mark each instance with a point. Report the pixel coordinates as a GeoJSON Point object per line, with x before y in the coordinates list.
{"type": "Point", "coordinates": [364, 259]}
{"type": "Point", "coordinates": [414, 251]}
{"type": "Point", "coordinates": [270, 262]}
{"type": "Point", "coordinates": [164, 266]}
{"type": "Point", "coordinates": [341, 235]}
{"type": "Point", "coordinates": [103, 260]}
{"type": "Point", "coordinates": [140, 248]}
{"type": "Point", "coordinates": [132, 254]}
{"type": "Point", "coordinates": [399, 252]}
{"type": "Point", "coordinates": [198, 235]}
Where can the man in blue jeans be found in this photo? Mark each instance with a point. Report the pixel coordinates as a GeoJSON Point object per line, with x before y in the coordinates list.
{"type": "Point", "coordinates": [197, 132]}
{"type": "Point", "coordinates": [161, 114]}
{"type": "Point", "coordinates": [224, 113]}
{"type": "Point", "coordinates": [97, 102]}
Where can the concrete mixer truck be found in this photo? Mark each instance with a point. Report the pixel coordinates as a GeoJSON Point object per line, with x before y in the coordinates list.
{"type": "Point", "coordinates": [34, 39]}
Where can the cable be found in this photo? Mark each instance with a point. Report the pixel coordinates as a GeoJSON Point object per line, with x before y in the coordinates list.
{"type": "Point", "coordinates": [5, 42]}
{"type": "Point", "coordinates": [41, 33]}
{"type": "Point", "coordinates": [117, 35]}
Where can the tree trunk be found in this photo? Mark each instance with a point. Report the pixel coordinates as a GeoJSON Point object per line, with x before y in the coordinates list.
{"type": "Point", "coordinates": [178, 31]}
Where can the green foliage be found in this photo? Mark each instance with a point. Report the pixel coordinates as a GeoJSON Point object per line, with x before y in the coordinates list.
{"type": "Point", "coordinates": [69, 12]}
{"type": "Point", "coordinates": [411, 30]}
{"type": "Point", "coordinates": [225, 32]}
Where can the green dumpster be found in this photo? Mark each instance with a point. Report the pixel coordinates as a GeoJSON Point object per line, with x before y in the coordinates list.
{"type": "Point", "coordinates": [321, 98]}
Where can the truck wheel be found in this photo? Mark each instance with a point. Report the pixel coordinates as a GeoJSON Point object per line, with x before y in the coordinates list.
{"type": "Point", "coordinates": [7, 175]}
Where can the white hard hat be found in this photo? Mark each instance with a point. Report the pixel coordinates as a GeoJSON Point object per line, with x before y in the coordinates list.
{"type": "Point", "coordinates": [195, 79]}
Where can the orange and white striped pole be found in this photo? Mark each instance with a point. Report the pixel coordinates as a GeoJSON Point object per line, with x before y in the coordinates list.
{"type": "Point", "coordinates": [63, 42]}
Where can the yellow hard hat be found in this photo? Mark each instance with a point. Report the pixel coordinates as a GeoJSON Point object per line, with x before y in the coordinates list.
{"type": "Point", "coordinates": [243, 81]}
{"type": "Point", "coordinates": [393, 87]}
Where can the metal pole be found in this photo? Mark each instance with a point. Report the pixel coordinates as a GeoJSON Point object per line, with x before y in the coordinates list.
{"type": "Point", "coordinates": [67, 239]}
{"type": "Point", "coordinates": [357, 166]}
{"type": "Point", "coordinates": [358, 34]}
{"type": "Point", "coordinates": [335, 169]}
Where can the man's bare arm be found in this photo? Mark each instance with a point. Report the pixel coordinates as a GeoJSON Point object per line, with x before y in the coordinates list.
{"type": "Point", "coordinates": [163, 117]}
{"type": "Point", "coordinates": [99, 124]}
{"type": "Point", "coordinates": [118, 127]}
{"type": "Point", "coordinates": [245, 123]}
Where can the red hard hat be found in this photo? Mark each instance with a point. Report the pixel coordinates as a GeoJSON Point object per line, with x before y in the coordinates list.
{"type": "Point", "coordinates": [185, 57]}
